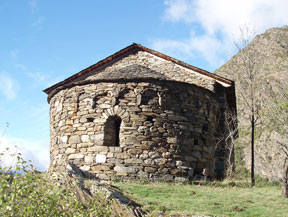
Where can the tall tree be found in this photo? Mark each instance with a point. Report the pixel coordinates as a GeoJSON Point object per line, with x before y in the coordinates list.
{"type": "Point", "coordinates": [247, 71]}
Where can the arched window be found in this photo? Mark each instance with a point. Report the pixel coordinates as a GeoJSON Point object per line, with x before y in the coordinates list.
{"type": "Point", "coordinates": [112, 131]}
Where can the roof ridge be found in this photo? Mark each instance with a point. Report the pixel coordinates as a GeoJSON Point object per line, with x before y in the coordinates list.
{"type": "Point", "coordinates": [135, 47]}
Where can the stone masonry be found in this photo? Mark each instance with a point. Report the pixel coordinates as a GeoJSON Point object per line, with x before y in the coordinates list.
{"type": "Point", "coordinates": [138, 115]}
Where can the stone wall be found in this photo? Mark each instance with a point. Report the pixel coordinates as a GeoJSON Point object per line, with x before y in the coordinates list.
{"type": "Point", "coordinates": [155, 129]}
{"type": "Point", "coordinates": [146, 65]}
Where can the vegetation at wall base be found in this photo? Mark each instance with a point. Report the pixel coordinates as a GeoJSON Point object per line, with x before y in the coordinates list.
{"type": "Point", "coordinates": [36, 194]}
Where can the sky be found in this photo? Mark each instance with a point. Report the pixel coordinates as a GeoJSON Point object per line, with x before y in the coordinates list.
{"type": "Point", "coordinates": [43, 42]}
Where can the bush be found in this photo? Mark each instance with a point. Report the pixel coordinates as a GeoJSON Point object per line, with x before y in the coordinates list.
{"type": "Point", "coordinates": [28, 193]}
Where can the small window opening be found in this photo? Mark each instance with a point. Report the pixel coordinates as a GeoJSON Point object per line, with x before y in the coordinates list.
{"type": "Point", "coordinates": [90, 119]}
{"type": "Point", "coordinates": [112, 131]}
{"type": "Point", "coordinates": [196, 142]}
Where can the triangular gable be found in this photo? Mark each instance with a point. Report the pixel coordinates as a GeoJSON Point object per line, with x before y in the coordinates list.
{"type": "Point", "coordinates": [133, 48]}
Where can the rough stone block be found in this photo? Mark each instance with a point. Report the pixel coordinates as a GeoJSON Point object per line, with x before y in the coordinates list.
{"type": "Point", "coordinates": [84, 145]}
{"type": "Point", "coordinates": [124, 169]}
{"type": "Point", "coordinates": [181, 179]}
{"type": "Point", "coordinates": [74, 139]}
{"type": "Point", "coordinates": [134, 151]}
{"type": "Point", "coordinates": [100, 167]}
{"type": "Point", "coordinates": [85, 168]}
{"type": "Point", "coordinates": [149, 162]}
{"type": "Point", "coordinates": [75, 156]}
{"type": "Point", "coordinates": [100, 158]}
{"type": "Point", "coordinates": [88, 159]}
{"type": "Point", "coordinates": [172, 140]}
{"type": "Point", "coordinates": [102, 149]}
{"type": "Point", "coordinates": [64, 139]}
{"type": "Point", "coordinates": [150, 169]}
{"type": "Point", "coordinates": [98, 136]}
{"type": "Point", "coordinates": [121, 155]}
{"type": "Point", "coordinates": [70, 150]}
{"type": "Point", "coordinates": [85, 138]}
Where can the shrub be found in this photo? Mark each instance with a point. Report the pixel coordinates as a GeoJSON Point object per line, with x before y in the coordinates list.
{"type": "Point", "coordinates": [24, 192]}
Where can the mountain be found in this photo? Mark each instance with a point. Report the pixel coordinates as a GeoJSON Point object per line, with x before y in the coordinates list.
{"type": "Point", "coordinates": [268, 57]}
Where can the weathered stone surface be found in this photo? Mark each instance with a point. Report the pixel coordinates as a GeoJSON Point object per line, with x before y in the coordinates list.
{"type": "Point", "coordinates": [85, 138]}
{"type": "Point", "coordinates": [85, 168]}
{"type": "Point", "coordinates": [84, 145]}
{"type": "Point", "coordinates": [171, 140]}
{"type": "Point", "coordinates": [100, 167]}
{"type": "Point", "coordinates": [99, 136]}
{"type": "Point", "coordinates": [150, 169]}
{"type": "Point", "coordinates": [142, 174]}
{"type": "Point", "coordinates": [181, 179]}
{"type": "Point", "coordinates": [124, 169]}
{"type": "Point", "coordinates": [88, 159]}
{"type": "Point", "coordinates": [98, 149]}
{"type": "Point", "coordinates": [74, 139]}
{"type": "Point", "coordinates": [134, 151]}
{"type": "Point", "coordinates": [70, 150]}
{"type": "Point", "coordinates": [121, 155]}
{"type": "Point", "coordinates": [64, 139]}
{"type": "Point", "coordinates": [100, 158]}
{"type": "Point", "coordinates": [75, 156]}
{"type": "Point", "coordinates": [149, 162]}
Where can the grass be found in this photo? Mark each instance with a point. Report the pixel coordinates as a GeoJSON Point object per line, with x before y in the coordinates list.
{"type": "Point", "coordinates": [170, 199]}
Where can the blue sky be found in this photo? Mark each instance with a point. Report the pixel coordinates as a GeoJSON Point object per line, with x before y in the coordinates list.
{"type": "Point", "coordinates": [44, 42]}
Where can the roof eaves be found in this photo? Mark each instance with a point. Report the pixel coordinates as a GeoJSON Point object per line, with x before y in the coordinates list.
{"type": "Point", "coordinates": [135, 47]}
{"type": "Point", "coordinates": [92, 67]}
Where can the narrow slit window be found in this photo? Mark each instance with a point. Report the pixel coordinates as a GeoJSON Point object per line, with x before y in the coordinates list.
{"type": "Point", "coordinates": [112, 131]}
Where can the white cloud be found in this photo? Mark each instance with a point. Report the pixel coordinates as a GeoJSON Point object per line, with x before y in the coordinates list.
{"type": "Point", "coordinates": [36, 151]}
{"type": "Point", "coordinates": [8, 86]}
{"type": "Point", "coordinates": [178, 10]}
{"type": "Point", "coordinates": [177, 48]}
{"type": "Point", "coordinates": [219, 21]}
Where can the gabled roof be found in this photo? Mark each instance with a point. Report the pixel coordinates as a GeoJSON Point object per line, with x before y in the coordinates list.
{"type": "Point", "coordinates": [133, 48]}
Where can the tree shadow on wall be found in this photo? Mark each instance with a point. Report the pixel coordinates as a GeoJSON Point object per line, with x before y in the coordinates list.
{"type": "Point", "coordinates": [75, 171]}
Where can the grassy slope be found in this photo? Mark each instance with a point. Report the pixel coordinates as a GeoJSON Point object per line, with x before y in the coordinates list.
{"type": "Point", "coordinates": [208, 200]}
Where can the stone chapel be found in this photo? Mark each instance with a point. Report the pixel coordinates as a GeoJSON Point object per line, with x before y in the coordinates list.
{"type": "Point", "coordinates": [140, 113]}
